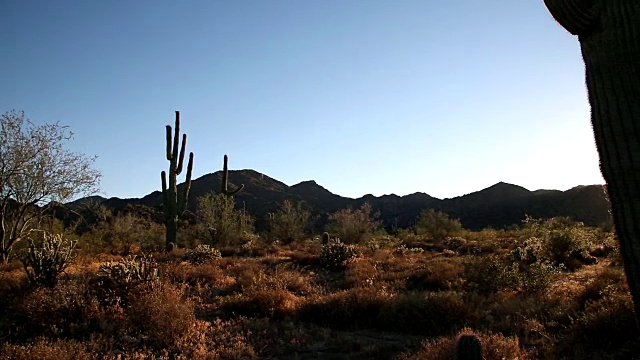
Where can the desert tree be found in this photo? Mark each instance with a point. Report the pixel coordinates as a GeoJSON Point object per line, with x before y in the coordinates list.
{"type": "Point", "coordinates": [354, 225]}
{"type": "Point", "coordinates": [290, 222]}
{"type": "Point", "coordinates": [36, 171]}
{"type": "Point", "coordinates": [436, 224]}
{"type": "Point", "coordinates": [219, 220]}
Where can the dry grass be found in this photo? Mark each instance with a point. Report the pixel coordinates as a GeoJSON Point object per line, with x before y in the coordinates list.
{"type": "Point", "coordinates": [278, 302]}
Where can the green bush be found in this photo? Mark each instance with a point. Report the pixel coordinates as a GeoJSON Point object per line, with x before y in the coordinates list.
{"type": "Point", "coordinates": [354, 226]}
{"type": "Point", "coordinates": [437, 225]}
{"type": "Point", "coordinates": [559, 240]}
{"type": "Point", "coordinates": [289, 223]}
{"type": "Point", "coordinates": [220, 223]}
{"type": "Point", "coordinates": [492, 274]}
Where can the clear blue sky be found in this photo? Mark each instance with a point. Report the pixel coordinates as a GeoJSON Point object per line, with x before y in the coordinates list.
{"type": "Point", "coordinates": [367, 96]}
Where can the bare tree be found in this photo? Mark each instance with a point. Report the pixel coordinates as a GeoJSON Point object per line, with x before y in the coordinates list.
{"type": "Point", "coordinates": [35, 172]}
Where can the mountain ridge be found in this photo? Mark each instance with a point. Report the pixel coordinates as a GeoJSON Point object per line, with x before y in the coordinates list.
{"type": "Point", "coordinates": [499, 205]}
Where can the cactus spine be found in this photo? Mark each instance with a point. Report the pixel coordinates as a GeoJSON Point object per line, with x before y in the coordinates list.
{"type": "Point", "coordinates": [225, 180]}
{"type": "Point", "coordinates": [175, 204]}
{"type": "Point", "coordinates": [468, 347]}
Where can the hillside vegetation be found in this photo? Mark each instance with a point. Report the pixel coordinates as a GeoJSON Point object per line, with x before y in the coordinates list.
{"type": "Point", "coordinates": [549, 289]}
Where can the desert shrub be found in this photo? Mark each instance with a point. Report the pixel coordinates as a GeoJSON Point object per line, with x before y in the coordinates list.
{"type": "Point", "coordinates": [271, 303]}
{"type": "Point", "coordinates": [161, 316]}
{"type": "Point", "coordinates": [289, 223]}
{"type": "Point", "coordinates": [336, 255]}
{"type": "Point", "coordinates": [436, 225]}
{"type": "Point", "coordinates": [560, 240]}
{"type": "Point", "coordinates": [220, 223]}
{"type": "Point", "coordinates": [131, 270]}
{"type": "Point", "coordinates": [202, 254]}
{"type": "Point", "coordinates": [47, 258]}
{"type": "Point", "coordinates": [354, 226]}
{"type": "Point", "coordinates": [606, 329]}
{"type": "Point", "coordinates": [116, 279]}
{"type": "Point", "coordinates": [43, 349]}
{"type": "Point", "coordinates": [357, 308]}
{"type": "Point", "coordinates": [492, 273]}
{"type": "Point", "coordinates": [435, 276]}
{"type": "Point", "coordinates": [65, 311]}
{"type": "Point", "coordinates": [607, 282]}
{"type": "Point", "coordinates": [494, 347]}
{"type": "Point", "coordinates": [403, 249]}
{"type": "Point", "coordinates": [429, 314]}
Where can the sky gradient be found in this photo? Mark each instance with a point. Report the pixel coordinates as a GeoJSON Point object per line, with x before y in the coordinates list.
{"type": "Point", "coordinates": [364, 97]}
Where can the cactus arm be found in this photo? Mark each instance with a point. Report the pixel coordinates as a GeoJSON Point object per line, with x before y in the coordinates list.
{"type": "Point", "coordinates": [176, 139]}
{"type": "Point", "coordinates": [225, 175]}
{"type": "Point", "coordinates": [163, 178]}
{"type": "Point", "coordinates": [169, 142]}
{"type": "Point", "coordinates": [184, 199]}
{"type": "Point", "coordinates": [577, 16]}
{"type": "Point", "coordinates": [181, 156]}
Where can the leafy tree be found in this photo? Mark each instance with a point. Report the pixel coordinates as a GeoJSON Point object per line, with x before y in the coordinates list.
{"type": "Point", "coordinates": [436, 224]}
{"type": "Point", "coordinates": [354, 226]}
{"type": "Point", "coordinates": [220, 221]}
{"type": "Point", "coordinates": [290, 222]}
{"type": "Point", "coordinates": [35, 171]}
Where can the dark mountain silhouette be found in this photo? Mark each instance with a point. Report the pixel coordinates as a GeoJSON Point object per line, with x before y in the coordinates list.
{"type": "Point", "coordinates": [497, 206]}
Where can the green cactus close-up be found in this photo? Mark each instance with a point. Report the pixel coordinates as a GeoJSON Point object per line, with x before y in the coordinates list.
{"type": "Point", "coordinates": [609, 36]}
{"type": "Point", "coordinates": [175, 203]}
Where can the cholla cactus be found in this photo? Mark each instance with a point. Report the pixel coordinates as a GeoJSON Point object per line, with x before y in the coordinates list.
{"type": "Point", "coordinates": [46, 259]}
{"type": "Point", "coordinates": [336, 255]}
{"type": "Point", "coordinates": [131, 270]}
{"type": "Point", "coordinates": [202, 254]}
{"type": "Point", "coordinates": [468, 347]}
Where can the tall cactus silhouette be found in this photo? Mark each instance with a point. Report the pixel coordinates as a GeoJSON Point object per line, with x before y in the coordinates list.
{"type": "Point", "coordinates": [175, 204]}
{"type": "Point", "coordinates": [609, 35]}
{"type": "Point", "coordinates": [225, 180]}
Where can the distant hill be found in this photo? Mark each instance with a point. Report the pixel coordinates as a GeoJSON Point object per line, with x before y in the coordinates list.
{"type": "Point", "coordinates": [498, 206]}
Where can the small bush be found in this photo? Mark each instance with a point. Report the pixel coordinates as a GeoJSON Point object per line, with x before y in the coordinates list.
{"type": "Point", "coordinates": [492, 273]}
{"type": "Point", "coordinates": [161, 317]}
{"type": "Point", "coordinates": [43, 349]}
{"type": "Point", "coordinates": [65, 311]}
{"type": "Point", "coordinates": [606, 329]}
{"type": "Point", "coordinates": [202, 254]}
{"type": "Point", "coordinates": [336, 255]}
{"type": "Point", "coordinates": [429, 314]}
{"type": "Point", "coordinates": [46, 259]}
{"type": "Point", "coordinates": [494, 347]}
{"type": "Point", "coordinates": [560, 240]}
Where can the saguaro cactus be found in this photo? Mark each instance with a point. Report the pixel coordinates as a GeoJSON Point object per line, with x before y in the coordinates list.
{"type": "Point", "coordinates": [175, 204]}
{"type": "Point", "coordinates": [225, 180]}
{"type": "Point", "coordinates": [609, 35]}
